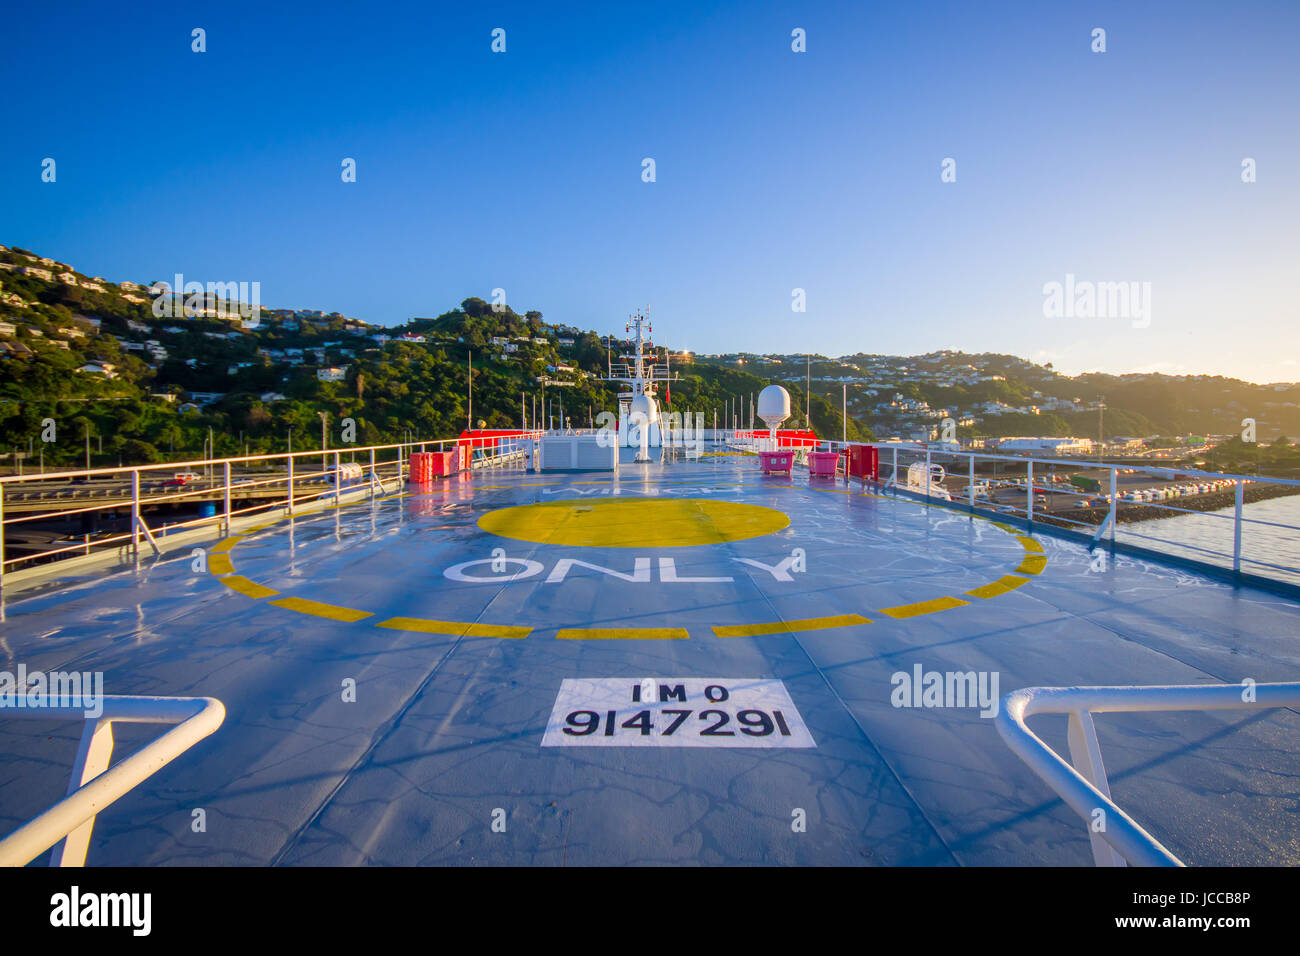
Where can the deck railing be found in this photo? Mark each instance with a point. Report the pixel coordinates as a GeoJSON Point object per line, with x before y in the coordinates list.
{"type": "Point", "coordinates": [1025, 488]}
{"type": "Point", "coordinates": [1030, 489]}
{"type": "Point", "coordinates": [223, 488]}
{"type": "Point", "coordinates": [92, 785]}
{"type": "Point", "coordinates": [1116, 838]}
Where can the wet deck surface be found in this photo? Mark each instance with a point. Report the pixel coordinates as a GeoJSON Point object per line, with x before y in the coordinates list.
{"type": "Point", "coordinates": [458, 661]}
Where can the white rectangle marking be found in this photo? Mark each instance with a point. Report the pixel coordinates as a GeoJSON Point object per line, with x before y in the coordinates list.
{"type": "Point", "coordinates": [675, 712]}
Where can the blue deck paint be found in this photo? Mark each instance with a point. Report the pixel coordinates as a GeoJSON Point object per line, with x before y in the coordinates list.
{"type": "Point", "coordinates": [447, 729]}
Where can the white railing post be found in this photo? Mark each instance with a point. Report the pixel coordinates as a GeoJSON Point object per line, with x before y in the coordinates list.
{"type": "Point", "coordinates": [2, 534]}
{"type": "Point", "coordinates": [338, 478]}
{"type": "Point", "coordinates": [1085, 755]}
{"type": "Point", "coordinates": [1114, 502]}
{"type": "Point", "coordinates": [1236, 525]}
{"type": "Point", "coordinates": [135, 513]}
{"type": "Point", "coordinates": [289, 503]}
{"type": "Point", "coordinates": [1082, 784]}
{"type": "Point", "coordinates": [970, 483]}
{"type": "Point", "coordinates": [927, 473]}
{"type": "Point", "coordinates": [372, 473]}
{"type": "Point", "coordinates": [94, 785]}
{"type": "Point", "coordinates": [226, 494]}
{"type": "Point", "coordinates": [93, 755]}
{"type": "Point", "coordinates": [1030, 485]}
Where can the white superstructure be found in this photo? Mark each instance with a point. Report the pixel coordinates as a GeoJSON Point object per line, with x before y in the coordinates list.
{"type": "Point", "coordinates": [639, 422]}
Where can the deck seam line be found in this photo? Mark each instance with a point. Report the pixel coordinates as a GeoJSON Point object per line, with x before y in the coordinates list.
{"type": "Point", "coordinates": [381, 734]}
{"type": "Point", "coordinates": [862, 730]}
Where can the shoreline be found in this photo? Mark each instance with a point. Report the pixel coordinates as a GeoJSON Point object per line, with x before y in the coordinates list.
{"type": "Point", "coordinates": [1132, 512]}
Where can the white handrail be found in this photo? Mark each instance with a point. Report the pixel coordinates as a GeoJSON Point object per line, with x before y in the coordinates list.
{"type": "Point", "coordinates": [92, 786]}
{"type": "Point", "coordinates": [1084, 787]}
{"type": "Point", "coordinates": [274, 482]}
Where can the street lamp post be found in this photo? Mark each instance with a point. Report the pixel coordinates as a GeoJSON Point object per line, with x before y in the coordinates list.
{"type": "Point", "coordinates": [324, 441]}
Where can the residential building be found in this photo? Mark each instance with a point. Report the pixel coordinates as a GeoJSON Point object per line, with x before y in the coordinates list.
{"type": "Point", "coordinates": [98, 368]}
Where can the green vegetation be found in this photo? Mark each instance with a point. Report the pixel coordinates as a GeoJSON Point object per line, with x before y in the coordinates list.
{"type": "Point", "coordinates": [1278, 459]}
{"type": "Point", "coordinates": [392, 391]}
{"type": "Point", "coordinates": [265, 391]}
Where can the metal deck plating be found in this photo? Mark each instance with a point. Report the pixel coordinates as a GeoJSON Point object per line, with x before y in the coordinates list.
{"type": "Point", "coordinates": [459, 640]}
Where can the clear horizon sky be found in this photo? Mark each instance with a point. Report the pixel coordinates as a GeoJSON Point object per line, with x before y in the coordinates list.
{"type": "Point", "coordinates": [775, 170]}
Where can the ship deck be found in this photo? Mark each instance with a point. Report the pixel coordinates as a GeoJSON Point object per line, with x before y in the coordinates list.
{"type": "Point", "coordinates": [460, 610]}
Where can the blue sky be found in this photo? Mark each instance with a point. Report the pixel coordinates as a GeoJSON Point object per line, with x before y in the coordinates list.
{"type": "Point", "coordinates": [775, 170]}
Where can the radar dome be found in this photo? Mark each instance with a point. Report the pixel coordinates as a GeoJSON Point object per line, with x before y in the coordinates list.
{"type": "Point", "coordinates": [773, 406]}
{"type": "Point", "coordinates": [644, 405]}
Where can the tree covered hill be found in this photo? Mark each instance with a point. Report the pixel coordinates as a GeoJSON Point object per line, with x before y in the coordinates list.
{"type": "Point", "coordinates": [90, 356]}
{"type": "Point", "coordinates": [138, 388]}
{"type": "Point", "coordinates": [1002, 395]}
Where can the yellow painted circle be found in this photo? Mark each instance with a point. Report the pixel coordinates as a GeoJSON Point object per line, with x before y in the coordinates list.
{"type": "Point", "coordinates": [634, 522]}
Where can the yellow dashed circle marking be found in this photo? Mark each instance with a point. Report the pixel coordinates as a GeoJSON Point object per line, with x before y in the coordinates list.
{"type": "Point", "coordinates": [582, 519]}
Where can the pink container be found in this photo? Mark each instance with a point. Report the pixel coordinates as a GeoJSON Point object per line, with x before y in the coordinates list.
{"type": "Point", "coordinates": [823, 464]}
{"type": "Point", "coordinates": [776, 462]}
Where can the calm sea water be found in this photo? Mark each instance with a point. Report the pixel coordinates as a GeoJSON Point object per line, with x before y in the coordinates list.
{"type": "Point", "coordinates": [1182, 534]}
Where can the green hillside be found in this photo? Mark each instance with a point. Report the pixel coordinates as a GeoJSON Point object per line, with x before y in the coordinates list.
{"type": "Point", "coordinates": [91, 357]}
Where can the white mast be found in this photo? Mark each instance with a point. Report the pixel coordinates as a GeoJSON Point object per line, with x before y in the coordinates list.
{"type": "Point", "coordinates": [640, 373]}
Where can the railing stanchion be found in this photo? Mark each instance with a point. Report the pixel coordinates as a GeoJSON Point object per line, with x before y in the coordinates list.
{"type": "Point", "coordinates": [226, 495]}
{"type": "Point", "coordinates": [1085, 756]}
{"type": "Point", "coordinates": [1114, 502]}
{"type": "Point", "coordinates": [1029, 485]}
{"type": "Point", "coordinates": [93, 784]}
{"type": "Point", "coordinates": [970, 483]}
{"type": "Point", "coordinates": [135, 513]}
{"type": "Point", "coordinates": [290, 501]}
{"type": "Point", "coordinates": [1236, 525]}
{"type": "Point", "coordinates": [1082, 783]}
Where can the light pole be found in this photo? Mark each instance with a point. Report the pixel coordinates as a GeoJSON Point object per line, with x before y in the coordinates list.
{"type": "Point", "coordinates": [324, 441]}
